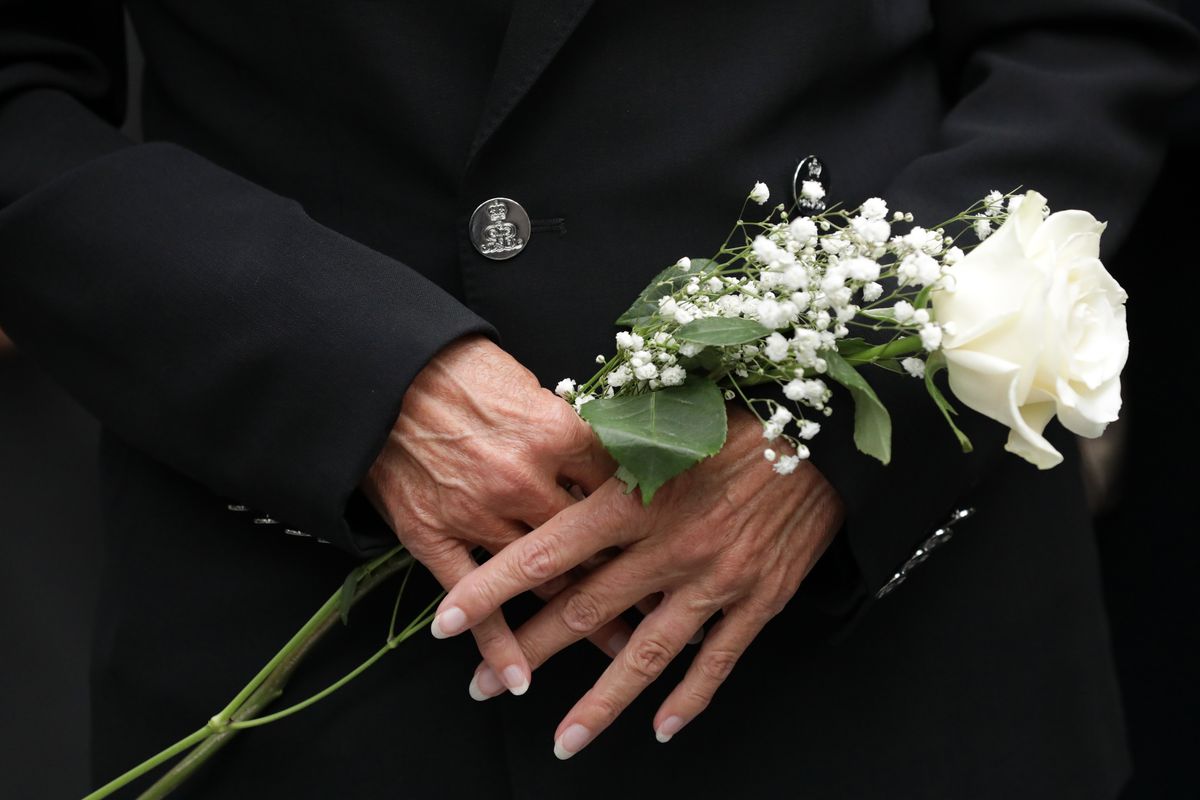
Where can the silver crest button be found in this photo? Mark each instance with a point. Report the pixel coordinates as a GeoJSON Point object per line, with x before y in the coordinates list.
{"type": "Point", "coordinates": [500, 228]}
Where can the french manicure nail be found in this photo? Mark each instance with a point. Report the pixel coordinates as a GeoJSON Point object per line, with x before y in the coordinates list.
{"type": "Point", "coordinates": [515, 680]}
{"type": "Point", "coordinates": [670, 726]}
{"type": "Point", "coordinates": [485, 685]}
{"type": "Point", "coordinates": [618, 641]}
{"type": "Point", "coordinates": [573, 739]}
{"type": "Point", "coordinates": [450, 622]}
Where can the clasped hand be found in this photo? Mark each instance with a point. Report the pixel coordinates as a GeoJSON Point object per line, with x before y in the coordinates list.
{"type": "Point", "coordinates": [482, 456]}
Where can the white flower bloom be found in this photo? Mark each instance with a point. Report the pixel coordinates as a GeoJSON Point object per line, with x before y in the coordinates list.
{"type": "Point", "coordinates": [673, 375]}
{"type": "Point", "coordinates": [1040, 329]}
{"type": "Point", "coordinates": [803, 230]}
{"type": "Point", "coordinates": [871, 231]}
{"type": "Point", "coordinates": [620, 376]}
{"type": "Point", "coordinates": [801, 300]}
{"type": "Point", "coordinates": [662, 338]}
{"type": "Point", "coordinates": [903, 311]}
{"type": "Point", "coordinates": [689, 349]}
{"type": "Point", "coordinates": [759, 194]}
{"type": "Point", "coordinates": [600, 359]}
{"type": "Point", "coordinates": [692, 288]}
{"type": "Point", "coordinates": [914, 367]}
{"type": "Point", "coordinates": [861, 269]}
{"type": "Point", "coordinates": [684, 263]}
{"type": "Point", "coordinates": [786, 465]}
{"type": "Point", "coordinates": [769, 454]}
{"type": "Point", "coordinates": [794, 277]}
{"type": "Point", "coordinates": [872, 292]}
{"type": "Point", "coordinates": [802, 452]}
{"type": "Point", "coordinates": [809, 429]}
{"type": "Point", "coordinates": [952, 256]}
{"type": "Point", "coordinates": [805, 390]}
{"type": "Point", "coordinates": [983, 229]}
{"type": "Point", "coordinates": [775, 347]}
{"type": "Point", "coordinates": [565, 387]}
{"type": "Point", "coordinates": [683, 315]}
{"type": "Point", "coordinates": [928, 270]}
{"type": "Point", "coordinates": [821, 320]}
{"type": "Point", "coordinates": [583, 400]}
{"type": "Point", "coordinates": [812, 191]}
{"type": "Point", "coordinates": [772, 431]}
{"type": "Point", "coordinates": [993, 203]}
{"type": "Point", "coordinates": [781, 416]}
{"type": "Point", "coordinates": [629, 341]}
{"type": "Point", "coordinates": [645, 372]}
{"type": "Point", "coordinates": [921, 316]}
{"type": "Point", "coordinates": [931, 336]}
{"type": "Point", "coordinates": [773, 314]}
{"type": "Point", "coordinates": [640, 357]}
{"type": "Point", "coordinates": [874, 208]}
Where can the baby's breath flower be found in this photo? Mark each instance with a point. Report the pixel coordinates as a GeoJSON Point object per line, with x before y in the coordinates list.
{"type": "Point", "coordinates": [565, 388]}
{"type": "Point", "coordinates": [769, 454]}
{"type": "Point", "coordinates": [786, 465]}
{"type": "Point", "coordinates": [903, 311]}
{"type": "Point", "coordinates": [629, 341]}
{"type": "Point", "coordinates": [931, 336]}
{"type": "Point", "coordinates": [759, 194]}
{"type": "Point", "coordinates": [874, 208]}
{"type": "Point", "coordinates": [684, 263]}
{"type": "Point", "coordinates": [983, 229]}
{"type": "Point", "coordinates": [872, 292]}
{"type": "Point", "coordinates": [914, 367]}
{"type": "Point", "coordinates": [673, 375]}
{"type": "Point", "coordinates": [646, 371]}
{"type": "Point", "coordinates": [808, 429]}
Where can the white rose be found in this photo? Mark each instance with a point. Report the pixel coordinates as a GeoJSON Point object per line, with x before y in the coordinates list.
{"type": "Point", "coordinates": [1038, 329]}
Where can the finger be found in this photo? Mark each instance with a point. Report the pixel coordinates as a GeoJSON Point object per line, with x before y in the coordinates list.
{"type": "Point", "coordinates": [722, 648]}
{"type": "Point", "coordinates": [610, 638]}
{"type": "Point", "coordinates": [586, 462]}
{"type": "Point", "coordinates": [579, 531]}
{"type": "Point", "coordinates": [654, 644]}
{"type": "Point", "coordinates": [495, 640]}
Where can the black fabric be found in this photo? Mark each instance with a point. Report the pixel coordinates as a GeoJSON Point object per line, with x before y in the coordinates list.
{"type": "Point", "coordinates": [243, 301]}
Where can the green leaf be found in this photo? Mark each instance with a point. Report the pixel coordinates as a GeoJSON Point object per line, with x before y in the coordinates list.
{"type": "Point", "coordinates": [933, 365]}
{"type": "Point", "coordinates": [872, 423]}
{"type": "Point", "coordinates": [657, 435]}
{"type": "Point", "coordinates": [857, 356]}
{"type": "Point", "coordinates": [669, 281]}
{"type": "Point", "coordinates": [923, 297]}
{"type": "Point", "coordinates": [721, 331]}
{"type": "Point", "coordinates": [346, 596]}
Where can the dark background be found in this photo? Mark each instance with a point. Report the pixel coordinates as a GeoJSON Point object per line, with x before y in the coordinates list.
{"type": "Point", "coordinates": [50, 552]}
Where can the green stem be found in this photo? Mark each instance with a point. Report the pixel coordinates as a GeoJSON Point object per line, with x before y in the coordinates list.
{"type": "Point", "coordinates": [266, 686]}
{"type": "Point", "coordinates": [151, 763]}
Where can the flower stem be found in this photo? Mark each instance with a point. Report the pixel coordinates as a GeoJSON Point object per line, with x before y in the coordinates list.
{"type": "Point", "coordinates": [266, 686]}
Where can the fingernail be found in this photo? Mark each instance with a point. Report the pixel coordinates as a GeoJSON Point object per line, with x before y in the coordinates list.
{"type": "Point", "coordinates": [515, 680]}
{"type": "Point", "coordinates": [573, 739]}
{"type": "Point", "coordinates": [670, 726]}
{"type": "Point", "coordinates": [485, 685]}
{"type": "Point", "coordinates": [697, 637]}
{"type": "Point", "coordinates": [450, 622]}
{"type": "Point", "coordinates": [618, 641]}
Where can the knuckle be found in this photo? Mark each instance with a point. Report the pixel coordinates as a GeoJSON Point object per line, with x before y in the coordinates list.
{"type": "Point", "coordinates": [697, 699]}
{"type": "Point", "coordinates": [581, 613]}
{"type": "Point", "coordinates": [647, 658]}
{"type": "Point", "coordinates": [489, 637]}
{"type": "Point", "coordinates": [538, 560]}
{"type": "Point", "coordinates": [606, 707]}
{"type": "Point", "coordinates": [716, 665]}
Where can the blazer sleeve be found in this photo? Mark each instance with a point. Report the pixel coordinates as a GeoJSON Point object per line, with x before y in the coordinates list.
{"type": "Point", "coordinates": [1066, 96]}
{"type": "Point", "coordinates": [203, 319]}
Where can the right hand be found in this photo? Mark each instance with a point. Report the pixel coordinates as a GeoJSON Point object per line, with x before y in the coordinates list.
{"type": "Point", "coordinates": [480, 455]}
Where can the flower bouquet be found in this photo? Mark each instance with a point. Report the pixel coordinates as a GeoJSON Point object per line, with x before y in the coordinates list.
{"type": "Point", "coordinates": [1010, 300]}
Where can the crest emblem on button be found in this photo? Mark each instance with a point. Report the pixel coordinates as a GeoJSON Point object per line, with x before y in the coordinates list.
{"type": "Point", "coordinates": [499, 228]}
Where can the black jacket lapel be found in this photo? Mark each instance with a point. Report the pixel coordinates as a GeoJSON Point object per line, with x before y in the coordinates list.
{"type": "Point", "coordinates": [535, 34]}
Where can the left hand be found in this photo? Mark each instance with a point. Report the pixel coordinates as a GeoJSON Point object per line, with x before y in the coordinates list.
{"type": "Point", "coordinates": [727, 535]}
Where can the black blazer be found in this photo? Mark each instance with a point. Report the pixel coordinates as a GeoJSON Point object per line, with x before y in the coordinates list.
{"type": "Point", "coordinates": [243, 299]}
